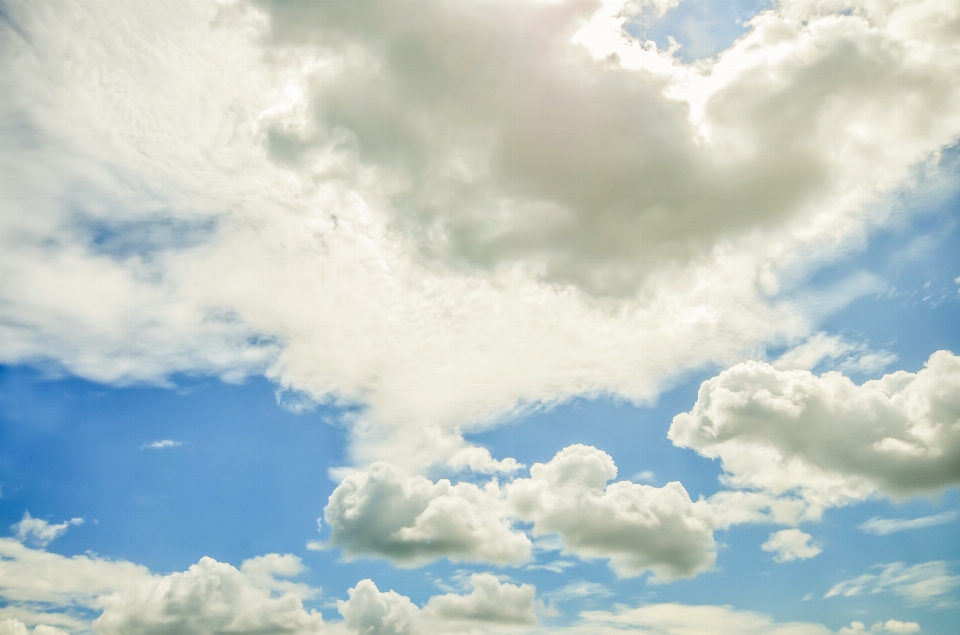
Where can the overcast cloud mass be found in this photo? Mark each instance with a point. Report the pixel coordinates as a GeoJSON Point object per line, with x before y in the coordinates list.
{"type": "Point", "coordinates": [486, 259]}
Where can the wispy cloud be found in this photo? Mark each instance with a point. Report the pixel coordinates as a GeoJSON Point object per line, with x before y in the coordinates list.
{"type": "Point", "coordinates": [884, 526]}
{"type": "Point", "coordinates": [925, 584]}
{"type": "Point", "coordinates": [39, 531]}
{"type": "Point", "coordinates": [161, 445]}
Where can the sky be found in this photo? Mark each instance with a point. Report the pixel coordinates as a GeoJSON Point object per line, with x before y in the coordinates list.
{"type": "Point", "coordinates": [509, 317]}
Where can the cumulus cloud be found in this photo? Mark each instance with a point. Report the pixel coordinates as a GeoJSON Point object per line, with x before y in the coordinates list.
{"type": "Point", "coordinates": [884, 526]}
{"type": "Point", "coordinates": [209, 597]}
{"type": "Point", "coordinates": [412, 520]}
{"type": "Point", "coordinates": [16, 627]}
{"type": "Point", "coordinates": [637, 527]}
{"type": "Point", "coordinates": [925, 584]}
{"type": "Point", "coordinates": [790, 545]}
{"type": "Point", "coordinates": [39, 531]}
{"type": "Point", "coordinates": [492, 607]}
{"type": "Point", "coordinates": [444, 214]}
{"type": "Point", "coordinates": [826, 437]}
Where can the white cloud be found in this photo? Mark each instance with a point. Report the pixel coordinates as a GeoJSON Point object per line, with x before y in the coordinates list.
{"type": "Point", "coordinates": [492, 607]}
{"type": "Point", "coordinates": [412, 520]}
{"type": "Point", "coordinates": [890, 626]}
{"type": "Point", "coordinates": [884, 526]}
{"type": "Point", "coordinates": [208, 189]}
{"type": "Point", "coordinates": [925, 584]}
{"type": "Point", "coordinates": [637, 527]}
{"type": "Point", "coordinates": [826, 438]}
{"type": "Point", "coordinates": [835, 353]}
{"type": "Point", "coordinates": [161, 445]}
{"type": "Point", "coordinates": [16, 627]}
{"type": "Point", "coordinates": [681, 619]}
{"type": "Point", "coordinates": [210, 597]}
{"type": "Point", "coordinates": [790, 545]}
{"type": "Point", "coordinates": [39, 531]}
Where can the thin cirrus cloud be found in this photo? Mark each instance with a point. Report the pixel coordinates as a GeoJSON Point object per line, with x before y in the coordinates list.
{"type": "Point", "coordinates": [885, 526]}
{"type": "Point", "coordinates": [924, 584]}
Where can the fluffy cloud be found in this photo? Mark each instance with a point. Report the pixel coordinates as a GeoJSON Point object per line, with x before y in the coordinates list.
{"type": "Point", "coordinates": [637, 527]}
{"type": "Point", "coordinates": [492, 607]}
{"type": "Point", "coordinates": [925, 584]}
{"type": "Point", "coordinates": [417, 214]}
{"type": "Point", "coordinates": [411, 520]}
{"type": "Point", "coordinates": [16, 627]}
{"type": "Point", "coordinates": [39, 531]}
{"type": "Point", "coordinates": [209, 597]}
{"type": "Point", "coordinates": [790, 545]}
{"type": "Point", "coordinates": [890, 626]}
{"type": "Point", "coordinates": [826, 437]}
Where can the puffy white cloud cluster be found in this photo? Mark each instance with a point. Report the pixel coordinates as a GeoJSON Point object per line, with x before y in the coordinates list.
{"type": "Point", "coordinates": [415, 208]}
{"type": "Point", "coordinates": [790, 545]}
{"type": "Point", "coordinates": [824, 440]}
{"type": "Point", "coordinates": [410, 520]}
{"type": "Point", "coordinates": [211, 597]}
{"type": "Point", "coordinates": [637, 527]}
{"type": "Point", "coordinates": [16, 627]}
{"type": "Point", "coordinates": [492, 607]}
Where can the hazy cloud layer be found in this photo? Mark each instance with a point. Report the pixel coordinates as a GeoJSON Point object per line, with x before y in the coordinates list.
{"type": "Point", "coordinates": [445, 214]}
{"type": "Point", "coordinates": [412, 520]}
{"type": "Point", "coordinates": [827, 437]}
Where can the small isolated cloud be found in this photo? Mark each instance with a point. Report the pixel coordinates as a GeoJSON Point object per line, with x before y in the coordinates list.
{"type": "Point", "coordinates": [646, 476]}
{"type": "Point", "coordinates": [925, 584]}
{"type": "Point", "coordinates": [790, 545]}
{"type": "Point", "coordinates": [884, 526]}
{"type": "Point", "coordinates": [557, 566]}
{"type": "Point", "coordinates": [161, 445]}
{"type": "Point", "coordinates": [890, 626]}
{"type": "Point", "coordinates": [578, 590]}
{"type": "Point", "coordinates": [39, 531]}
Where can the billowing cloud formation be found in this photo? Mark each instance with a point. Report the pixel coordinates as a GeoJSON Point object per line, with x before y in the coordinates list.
{"type": "Point", "coordinates": [209, 597]}
{"type": "Point", "coordinates": [638, 527]}
{"type": "Point", "coordinates": [790, 545]}
{"type": "Point", "coordinates": [832, 440]}
{"type": "Point", "coordinates": [492, 606]}
{"type": "Point", "coordinates": [417, 213]}
{"type": "Point", "coordinates": [411, 520]}
{"type": "Point", "coordinates": [928, 583]}
{"type": "Point", "coordinates": [39, 531]}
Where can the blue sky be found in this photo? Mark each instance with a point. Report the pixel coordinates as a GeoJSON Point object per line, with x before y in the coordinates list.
{"type": "Point", "coordinates": [485, 317]}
